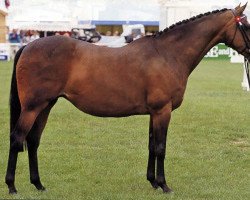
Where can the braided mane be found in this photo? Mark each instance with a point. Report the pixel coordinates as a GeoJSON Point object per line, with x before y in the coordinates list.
{"type": "Point", "coordinates": [186, 21]}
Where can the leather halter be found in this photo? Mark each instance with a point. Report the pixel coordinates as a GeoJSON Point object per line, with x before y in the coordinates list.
{"type": "Point", "coordinates": [241, 26]}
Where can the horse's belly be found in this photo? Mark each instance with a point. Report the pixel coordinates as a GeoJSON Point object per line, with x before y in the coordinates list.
{"type": "Point", "coordinates": [106, 91]}
{"type": "Point", "coordinates": [112, 106]}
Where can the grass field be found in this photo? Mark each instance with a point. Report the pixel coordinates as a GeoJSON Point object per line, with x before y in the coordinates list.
{"type": "Point", "coordinates": [85, 157]}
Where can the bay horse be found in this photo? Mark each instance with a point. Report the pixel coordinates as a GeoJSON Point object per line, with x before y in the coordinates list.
{"type": "Point", "coordinates": [148, 76]}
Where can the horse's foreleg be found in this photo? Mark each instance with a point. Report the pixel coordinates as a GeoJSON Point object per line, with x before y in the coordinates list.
{"type": "Point", "coordinates": [33, 141]}
{"type": "Point", "coordinates": [160, 125]}
{"type": "Point", "coordinates": [151, 156]}
{"type": "Point", "coordinates": [17, 139]}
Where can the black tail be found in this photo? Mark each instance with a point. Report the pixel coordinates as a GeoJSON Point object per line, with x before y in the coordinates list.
{"type": "Point", "coordinates": [15, 107]}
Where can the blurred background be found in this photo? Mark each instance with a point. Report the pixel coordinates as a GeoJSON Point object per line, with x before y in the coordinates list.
{"type": "Point", "coordinates": [108, 17]}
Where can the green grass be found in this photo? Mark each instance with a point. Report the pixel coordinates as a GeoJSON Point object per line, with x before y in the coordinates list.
{"type": "Point", "coordinates": [85, 157]}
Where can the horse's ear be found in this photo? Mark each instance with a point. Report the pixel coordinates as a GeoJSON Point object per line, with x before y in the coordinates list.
{"type": "Point", "coordinates": [240, 9]}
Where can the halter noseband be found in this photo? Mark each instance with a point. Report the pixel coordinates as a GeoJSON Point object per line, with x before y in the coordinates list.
{"type": "Point", "coordinates": [241, 26]}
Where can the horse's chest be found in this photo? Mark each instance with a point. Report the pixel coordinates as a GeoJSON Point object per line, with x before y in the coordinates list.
{"type": "Point", "coordinates": [168, 90]}
{"type": "Point", "coordinates": [177, 100]}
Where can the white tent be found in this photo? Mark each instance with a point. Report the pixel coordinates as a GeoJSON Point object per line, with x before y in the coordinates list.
{"type": "Point", "coordinates": [173, 11]}
{"type": "Point", "coordinates": [53, 26]}
{"type": "Point", "coordinates": [29, 15]}
{"type": "Point", "coordinates": [79, 11]}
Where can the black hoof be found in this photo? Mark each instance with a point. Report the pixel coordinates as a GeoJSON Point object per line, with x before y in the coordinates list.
{"type": "Point", "coordinates": [154, 184]}
{"type": "Point", "coordinates": [166, 189]}
{"type": "Point", "coordinates": [39, 186]}
{"type": "Point", "coordinates": [42, 189]}
{"type": "Point", "coordinates": [12, 191]}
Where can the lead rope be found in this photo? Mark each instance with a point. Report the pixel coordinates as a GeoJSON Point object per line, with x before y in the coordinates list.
{"type": "Point", "coordinates": [244, 35]}
{"type": "Point", "coordinates": [246, 65]}
{"type": "Point", "coordinates": [246, 61]}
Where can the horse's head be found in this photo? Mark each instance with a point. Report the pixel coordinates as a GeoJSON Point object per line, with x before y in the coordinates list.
{"type": "Point", "coordinates": [238, 32]}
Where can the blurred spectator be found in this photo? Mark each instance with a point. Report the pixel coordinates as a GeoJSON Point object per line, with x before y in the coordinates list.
{"type": "Point", "coordinates": [108, 33]}
{"type": "Point", "coordinates": [26, 37]}
{"type": "Point", "coordinates": [66, 34]}
{"type": "Point", "coordinates": [14, 37]}
{"type": "Point", "coordinates": [7, 3]}
{"type": "Point", "coordinates": [21, 35]}
{"type": "Point", "coordinates": [34, 36]}
{"type": "Point", "coordinates": [116, 33]}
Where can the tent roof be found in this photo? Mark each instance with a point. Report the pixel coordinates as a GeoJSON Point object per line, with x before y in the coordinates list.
{"type": "Point", "coordinates": [46, 26]}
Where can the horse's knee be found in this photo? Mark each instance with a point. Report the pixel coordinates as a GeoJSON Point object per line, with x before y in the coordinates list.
{"type": "Point", "coordinates": [160, 150]}
{"type": "Point", "coordinates": [151, 147]}
{"type": "Point", "coordinates": [16, 142]}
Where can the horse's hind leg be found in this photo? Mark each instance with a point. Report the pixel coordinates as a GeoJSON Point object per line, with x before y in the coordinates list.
{"type": "Point", "coordinates": [33, 141]}
{"type": "Point", "coordinates": [17, 139]}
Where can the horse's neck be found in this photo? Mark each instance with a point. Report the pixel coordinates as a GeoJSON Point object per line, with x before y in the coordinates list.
{"type": "Point", "coordinates": [188, 44]}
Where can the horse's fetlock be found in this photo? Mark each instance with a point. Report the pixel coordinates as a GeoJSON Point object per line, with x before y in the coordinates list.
{"type": "Point", "coordinates": [9, 180]}
{"type": "Point", "coordinates": [34, 179]}
{"type": "Point", "coordinates": [150, 177]}
{"type": "Point", "coordinates": [161, 181]}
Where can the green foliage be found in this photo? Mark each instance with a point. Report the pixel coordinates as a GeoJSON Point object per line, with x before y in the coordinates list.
{"type": "Point", "coordinates": [85, 157]}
